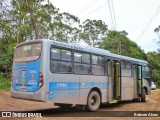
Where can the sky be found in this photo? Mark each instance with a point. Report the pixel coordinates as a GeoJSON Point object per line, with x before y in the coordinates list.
{"type": "Point", "coordinates": [133, 16]}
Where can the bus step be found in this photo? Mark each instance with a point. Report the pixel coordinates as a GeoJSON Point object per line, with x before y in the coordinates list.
{"type": "Point", "coordinates": [113, 101]}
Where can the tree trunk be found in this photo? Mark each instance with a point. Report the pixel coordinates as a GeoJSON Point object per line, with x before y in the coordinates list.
{"type": "Point", "coordinates": [32, 19]}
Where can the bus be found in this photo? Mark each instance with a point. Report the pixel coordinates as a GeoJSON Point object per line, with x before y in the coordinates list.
{"type": "Point", "coordinates": [70, 74]}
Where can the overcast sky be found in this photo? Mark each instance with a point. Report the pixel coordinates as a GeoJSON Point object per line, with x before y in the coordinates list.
{"type": "Point", "coordinates": [131, 15]}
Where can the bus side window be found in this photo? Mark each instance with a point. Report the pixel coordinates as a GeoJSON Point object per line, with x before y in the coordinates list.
{"type": "Point", "coordinates": [61, 67]}
{"type": "Point", "coordinates": [85, 58]}
{"type": "Point", "coordinates": [94, 59]}
{"type": "Point", "coordinates": [55, 53]}
{"type": "Point", "coordinates": [66, 55]}
{"type": "Point", "coordinates": [60, 61]}
{"type": "Point", "coordinates": [98, 66]}
{"type": "Point", "coordinates": [109, 70]}
{"type": "Point", "coordinates": [77, 57]}
{"type": "Point", "coordinates": [126, 68]}
{"type": "Point", "coordinates": [82, 63]}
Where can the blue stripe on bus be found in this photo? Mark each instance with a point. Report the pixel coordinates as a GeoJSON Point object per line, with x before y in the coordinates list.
{"type": "Point", "coordinates": [55, 88]}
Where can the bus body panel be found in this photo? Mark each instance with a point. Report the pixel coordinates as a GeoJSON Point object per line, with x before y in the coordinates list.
{"type": "Point", "coordinates": [72, 89]}
{"type": "Point", "coordinates": [90, 82]}
{"type": "Point", "coordinates": [63, 88]}
{"type": "Point", "coordinates": [39, 64]}
{"type": "Point", "coordinates": [40, 95]}
{"type": "Point", "coordinates": [26, 76]}
{"type": "Point", "coordinates": [127, 88]}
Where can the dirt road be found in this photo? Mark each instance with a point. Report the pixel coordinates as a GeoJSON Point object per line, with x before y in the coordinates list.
{"type": "Point", "coordinates": [47, 109]}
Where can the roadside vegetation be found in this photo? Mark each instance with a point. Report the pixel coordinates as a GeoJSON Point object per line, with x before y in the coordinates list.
{"type": "Point", "coordinates": [5, 83]}
{"type": "Point", "coordinates": [22, 20]}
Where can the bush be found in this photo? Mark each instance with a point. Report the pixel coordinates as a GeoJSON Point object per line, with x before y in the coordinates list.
{"type": "Point", "coordinates": [5, 83]}
{"type": "Point", "coordinates": [158, 84]}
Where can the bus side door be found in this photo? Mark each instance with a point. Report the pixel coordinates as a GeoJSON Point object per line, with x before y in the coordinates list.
{"type": "Point", "coordinates": [114, 80]}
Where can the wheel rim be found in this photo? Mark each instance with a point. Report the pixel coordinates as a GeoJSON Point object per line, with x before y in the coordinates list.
{"type": "Point", "coordinates": [93, 101]}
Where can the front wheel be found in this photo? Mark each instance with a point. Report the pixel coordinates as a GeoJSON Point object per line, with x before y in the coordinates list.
{"type": "Point", "coordinates": [143, 98]}
{"type": "Point", "coordinates": [93, 101]}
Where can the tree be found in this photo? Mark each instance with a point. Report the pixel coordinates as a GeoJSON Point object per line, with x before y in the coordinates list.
{"type": "Point", "coordinates": [117, 42]}
{"type": "Point", "coordinates": [93, 31]}
{"type": "Point", "coordinates": [154, 59]}
{"type": "Point", "coordinates": [65, 26]}
{"type": "Point", "coordinates": [157, 31]}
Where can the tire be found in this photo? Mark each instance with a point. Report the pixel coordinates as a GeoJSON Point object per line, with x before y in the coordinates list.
{"type": "Point", "coordinates": [143, 98]}
{"type": "Point", "coordinates": [93, 101]}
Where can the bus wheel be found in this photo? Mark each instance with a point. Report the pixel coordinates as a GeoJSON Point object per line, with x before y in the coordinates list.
{"type": "Point", "coordinates": [93, 101]}
{"type": "Point", "coordinates": [143, 98]}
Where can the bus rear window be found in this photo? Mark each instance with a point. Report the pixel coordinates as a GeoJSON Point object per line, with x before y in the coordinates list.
{"type": "Point", "coordinates": [28, 52]}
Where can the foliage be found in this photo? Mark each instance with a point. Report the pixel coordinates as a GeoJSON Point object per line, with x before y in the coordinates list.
{"type": "Point", "coordinates": [117, 42]}
{"type": "Point", "coordinates": [93, 31]}
{"type": "Point", "coordinates": [5, 83]}
{"type": "Point", "coordinates": [154, 60]}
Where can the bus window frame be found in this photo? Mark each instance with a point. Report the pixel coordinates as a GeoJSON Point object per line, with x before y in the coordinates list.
{"type": "Point", "coordinates": [131, 67]}
{"type": "Point", "coordinates": [105, 58]}
{"type": "Point", "coordinates": [58, 47]}
{"type": "Point", "coordinates": [78, 51]}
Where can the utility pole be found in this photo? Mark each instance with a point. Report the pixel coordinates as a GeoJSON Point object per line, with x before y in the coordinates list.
{"type": "Point", "coordinates": [119, 46]}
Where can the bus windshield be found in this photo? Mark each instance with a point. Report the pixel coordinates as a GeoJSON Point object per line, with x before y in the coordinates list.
{"type": "Point", "coordinates": [28, 52]}
{"type": "Point", "coordinates": [146, 72]}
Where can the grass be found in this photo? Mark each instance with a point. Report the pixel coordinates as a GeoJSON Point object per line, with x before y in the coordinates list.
{"type": "Point", "coordinates": [5, 84]}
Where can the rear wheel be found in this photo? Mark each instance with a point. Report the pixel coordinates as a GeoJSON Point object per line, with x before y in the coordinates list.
{"type": "Point", "coordinates": [93, 101]}
{"type": "Point", "coordinates": [143, 98]}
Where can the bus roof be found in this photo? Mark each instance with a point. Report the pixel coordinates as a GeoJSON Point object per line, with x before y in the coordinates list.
{"type": "Point", "coordinates": [86, 48]}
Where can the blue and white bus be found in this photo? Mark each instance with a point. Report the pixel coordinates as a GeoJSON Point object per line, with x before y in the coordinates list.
{"type": "Point", "coordinates": [74, 74]}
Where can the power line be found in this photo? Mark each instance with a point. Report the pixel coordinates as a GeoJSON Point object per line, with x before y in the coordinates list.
{"type": "Point", "coordinates": [111, 15]}
{"type": "Point", "coordinates": [89, 5]}
{"type": "Point", "coordinates": [149, 23]}
{"type": "Point", "coordinates": [95, 10]}
{"type": "Point", "coordinates": [84, 7]}
{"type": "Point", "coordinates": [114, 14]}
